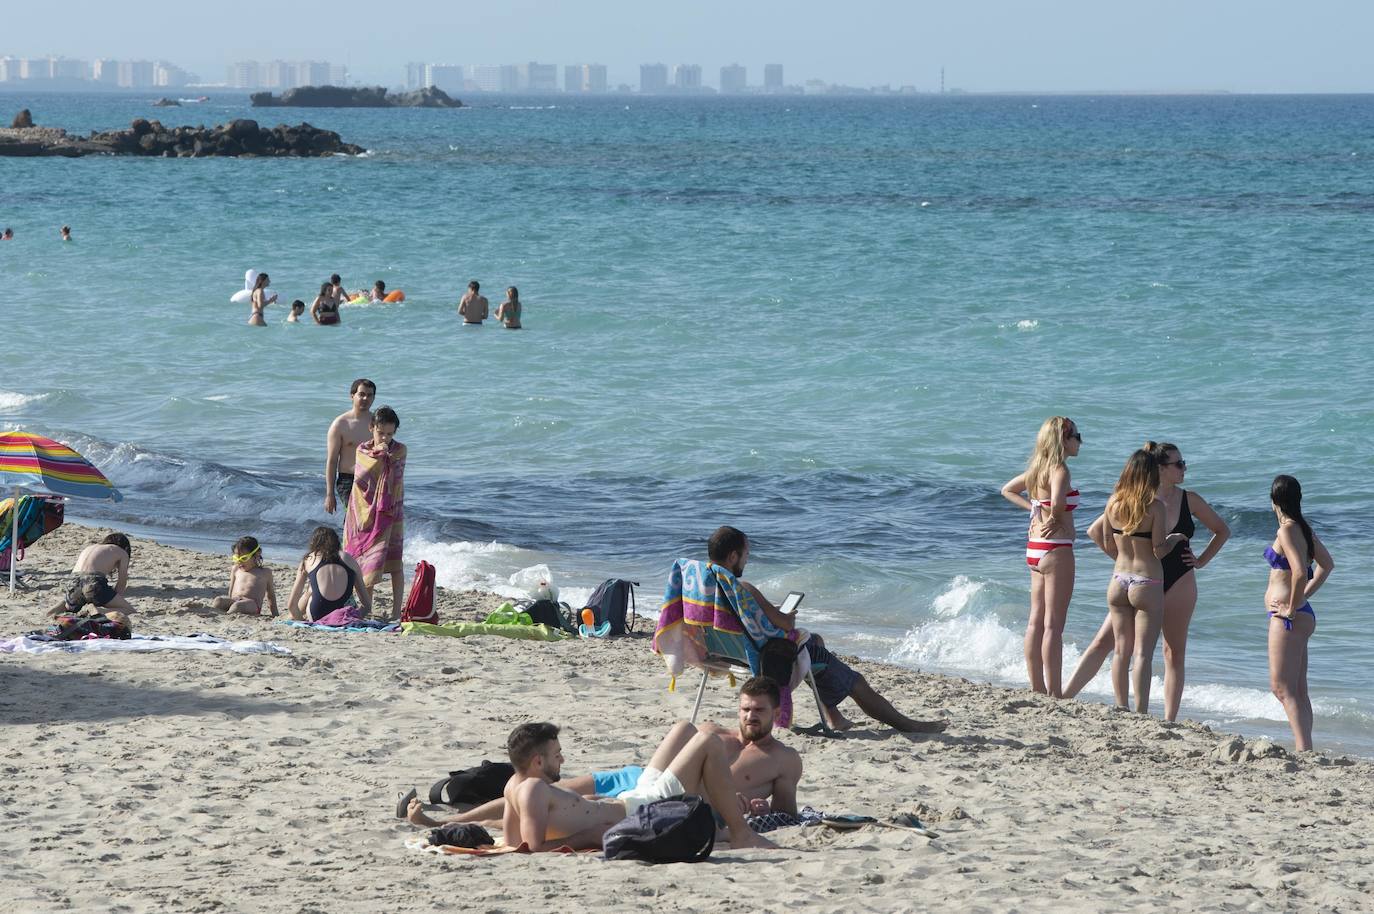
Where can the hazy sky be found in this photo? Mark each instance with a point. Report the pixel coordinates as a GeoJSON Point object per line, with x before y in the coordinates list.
{"type": "Point", "coordinates": [985, 45]}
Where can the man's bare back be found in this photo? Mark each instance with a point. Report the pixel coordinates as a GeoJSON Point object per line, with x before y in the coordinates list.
{"type": "Point", "coordinates": [101, 558]}
{"type": "Point", "coordinates": [535, 807]}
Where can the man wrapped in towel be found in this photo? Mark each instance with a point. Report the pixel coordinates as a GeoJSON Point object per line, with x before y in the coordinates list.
{"type": "Point", "coordinates": [374, 527]}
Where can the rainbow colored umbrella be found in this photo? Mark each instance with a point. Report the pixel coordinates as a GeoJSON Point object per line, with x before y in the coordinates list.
{"type": "Point", "coordinates": [41, 464]}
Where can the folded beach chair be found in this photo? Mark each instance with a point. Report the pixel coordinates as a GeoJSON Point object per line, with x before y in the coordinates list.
{"type": "Point", "coordinates": [700, 626]}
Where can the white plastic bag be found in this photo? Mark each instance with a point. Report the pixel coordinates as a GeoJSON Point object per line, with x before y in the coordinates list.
{"type": "Point", "coordinates": [537, 581]}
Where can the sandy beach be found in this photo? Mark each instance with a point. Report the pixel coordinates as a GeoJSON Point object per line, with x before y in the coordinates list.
{"type": "Point", "coordinates": [190, 781]}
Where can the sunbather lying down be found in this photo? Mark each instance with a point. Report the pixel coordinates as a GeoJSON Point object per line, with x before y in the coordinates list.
{"type": "Point", "coordinates": [737, 772]}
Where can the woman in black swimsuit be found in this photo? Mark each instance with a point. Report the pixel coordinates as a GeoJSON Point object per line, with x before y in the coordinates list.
{"type": "Point", "coordinates": [1180, 584]}
{"type": "Point", "coordinates": [326, 579]}
{"type": "Point", "coordinates": [325, 310]}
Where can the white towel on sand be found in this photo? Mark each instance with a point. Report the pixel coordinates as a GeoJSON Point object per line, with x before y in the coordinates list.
{"type": "Point", "coordinates": [141, 643]}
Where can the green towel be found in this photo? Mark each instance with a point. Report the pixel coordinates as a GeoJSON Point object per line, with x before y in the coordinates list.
{"type": "Point", "coordinates": [464, 629]}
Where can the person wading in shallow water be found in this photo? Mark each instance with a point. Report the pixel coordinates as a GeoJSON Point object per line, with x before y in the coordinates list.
{"type": "Point", "coordinates": [346, 432]}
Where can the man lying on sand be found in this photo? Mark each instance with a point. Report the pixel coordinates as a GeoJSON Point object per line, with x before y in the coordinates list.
{"type": "Point", "coordinates": [765, 773]}
{"type": "Point", "coordinates": [728, 548]}
{"type": "Point", "coordinates": [90, 580]}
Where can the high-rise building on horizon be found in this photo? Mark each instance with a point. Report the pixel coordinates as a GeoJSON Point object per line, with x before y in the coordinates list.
{"type": "Point", "coordinates": [415, 76]}
{"type": "Point", "coordinates": [448, 78]}
{"type": "Point", "coordinates": [135, 74]}
{"type": "Point", "coordinates": [772, 77]}
{"type": "Point", "coordinates": [537, 77]}
{"type": "Point", "coordinates": [733, 79]}
{"type": "Point", "coordinates": [170, 76]}
{"type": "Point", "coordinates": [584, 77]}
{"type": "Point", "coordinates": [687, 76]}
{"type": "Point", "coordinates": [653, 77]}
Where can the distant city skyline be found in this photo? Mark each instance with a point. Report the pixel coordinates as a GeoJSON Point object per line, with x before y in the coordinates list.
{"type": "Point", "coordinates": [983, 45]}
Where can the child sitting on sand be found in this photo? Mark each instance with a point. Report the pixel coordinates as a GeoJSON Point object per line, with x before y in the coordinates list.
{"type": "Point", "coordinates": [249, 582]}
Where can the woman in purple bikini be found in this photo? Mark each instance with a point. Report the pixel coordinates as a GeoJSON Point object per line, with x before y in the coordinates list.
{"type": "Point", "coordinates": [1291, 619]}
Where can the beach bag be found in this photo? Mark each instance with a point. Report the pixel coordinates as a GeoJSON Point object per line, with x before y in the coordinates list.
{"type": "Point", "coordinates": [557, 616]}
{"type": "Point", "coordinates": [419, 606]}
{"type": "Point", "coordinates": [614, 602]}
{"type": "Point", "coordinates": [473, 786]}
{"type": "Point", "coordinates": [70, 627]}
{"type": "Point", "coordinates": [38, 516]}
{"type": "Point", "coordinates": [678, 830]}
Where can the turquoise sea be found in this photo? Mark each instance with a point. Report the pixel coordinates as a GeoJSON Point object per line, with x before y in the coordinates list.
{"type": "Point", "coordinates": [834, 323]}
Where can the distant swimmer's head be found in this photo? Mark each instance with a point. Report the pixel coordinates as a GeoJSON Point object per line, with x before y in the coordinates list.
{"type": "Point", "coordinates": [297, 307]}
{"type": "Point", "coordinates": [473, 286]}
{"type": "Point", "coordinates": [66, 233]}
{"type": "Point", "coordinates": [326, 288]}
{"type": "Point", "coordinates": [335, 279]}
{"type": "Point", "coordinates": [512, 293]}
{"type": "Point", "coordinates": [262, 281]}
{"type": "Point", "coordinates": [729, 548]}
{"type": "Point", "coordinates": [7, 234]}
{"type": "Point", "coordinates": [534, 751]}
{"type": "Point", "coordinates": [379, 286]}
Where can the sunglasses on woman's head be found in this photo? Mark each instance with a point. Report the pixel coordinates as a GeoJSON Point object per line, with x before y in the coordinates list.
{"type": "Point", "coordinates": [1181, 464]}
{"type": "Point", "coordinates": [1076, 436]}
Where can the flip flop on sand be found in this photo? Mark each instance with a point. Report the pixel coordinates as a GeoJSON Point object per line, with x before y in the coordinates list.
{"type": "Point", "coordinates": [403, 804]}
{"type": "Point", "coordinates": [847, 822]}
{"type": "Point", "coordinates": [909, 822]}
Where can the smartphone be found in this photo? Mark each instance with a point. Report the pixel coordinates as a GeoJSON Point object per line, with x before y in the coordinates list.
{"type": "Point", "coordinates": [790, 604]}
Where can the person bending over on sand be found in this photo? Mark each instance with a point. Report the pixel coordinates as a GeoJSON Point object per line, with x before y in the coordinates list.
{"type": "Point", "coordinates": [90, 580]}
{"type": "Point", "coordinates": [326, 579]}
{"type": "Point", "coordinates": [260, 300]}
{"type": "Point", "coordinates": [1046, 491]}
{"type": "Point", "coordinates": [728, 549]}
{"type": "Point", "coordinates": [250, 582]}
{"type": "Point", "coordinates": [1180, 584]}
{"type": "Point", "coordinates": [544, 816]}
{"type": "Point", "coordinates": [346, 432]}
{"type": "Point", "coordinates": [325, 308]}
{"type": "Point", "coordinates": [1291, 618]}
{"type": "Point", "coordinates": [374, 525]}
{"type": "Point", "coordinates": [473, 307]}
{"type": "Point", "coordinates": [1135, 595]}
{"type": "Point", "coordinates": [508, 312]}
{"type": "Point", "coordinates": [764, 771]}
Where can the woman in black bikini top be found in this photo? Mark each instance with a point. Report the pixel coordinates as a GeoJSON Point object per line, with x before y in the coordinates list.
{"type": "Point", "coordinates": [1180, 584]}
{"type": "Point", "coordinates": [325, 310]}
{"type": "Point", "coordinates": [308, 600]}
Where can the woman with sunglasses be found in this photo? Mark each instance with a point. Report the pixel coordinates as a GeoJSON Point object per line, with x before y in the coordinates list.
{"type": "Point", "coordinates": [1046, 491]}
{"type": "Point", "coordinates": [1291, 618]}
{"type": "Point", "coordinates": [1180, 584]}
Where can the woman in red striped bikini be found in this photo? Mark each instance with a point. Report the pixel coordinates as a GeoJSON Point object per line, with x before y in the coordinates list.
{"type": "Point", "coordinates": [1046, 491]}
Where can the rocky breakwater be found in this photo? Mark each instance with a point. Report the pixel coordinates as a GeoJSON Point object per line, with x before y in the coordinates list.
{"type": "Point", "coordinates": [362, 97]}
{"type": "Point", "coordinates": [242, 137]}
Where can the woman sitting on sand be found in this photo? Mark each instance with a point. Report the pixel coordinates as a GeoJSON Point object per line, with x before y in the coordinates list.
{"type": "Point", "coordinates": [374, 527]}
{"type": "Point", "coordinates": [1135, 595]}
{"type": "Point", "coordinates": [1291, 618]}
{"type": "Point", "coordinates": [1180, 584]}
{"type": "Point", "coordinates": [326, 579]}
{"type": "Point", "coordinates": [260, 300]}
{"type": "Point", "coordinates": [1046, 491]}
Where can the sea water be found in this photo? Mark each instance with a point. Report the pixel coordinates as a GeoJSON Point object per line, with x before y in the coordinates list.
{"type": "Point", "coordinates": [833, 323]}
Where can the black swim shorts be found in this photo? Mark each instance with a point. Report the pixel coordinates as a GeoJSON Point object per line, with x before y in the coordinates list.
{"type": "Point", "coordinates": [94, 589]}
{"type": "Point", "coordinates": [343, 487]}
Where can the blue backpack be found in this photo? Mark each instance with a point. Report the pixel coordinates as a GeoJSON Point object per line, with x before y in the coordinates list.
{"type": "Point", "coordinates": [677, 830]}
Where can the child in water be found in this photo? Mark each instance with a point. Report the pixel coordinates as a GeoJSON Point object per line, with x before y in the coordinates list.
{"type": "Point", "coordinates": [249, 582]}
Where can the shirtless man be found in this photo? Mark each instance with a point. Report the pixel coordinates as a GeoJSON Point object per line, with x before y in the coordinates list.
{"type": "Point", "coordinates": [90, 580]}
{"type": "Point", "coordinates": [760, 766]}
{"type": "Point", "coordinates": [346, 432]}
{"type": "Point", "coordinates": [544, 816]}
{"type": "Point", "coordinates": [728, 548]}
{"type": "Point", "coordinates": [473, 307]}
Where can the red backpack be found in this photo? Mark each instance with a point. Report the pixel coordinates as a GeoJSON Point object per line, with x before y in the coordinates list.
{"type": "Point", "coordinates": [420, 601]}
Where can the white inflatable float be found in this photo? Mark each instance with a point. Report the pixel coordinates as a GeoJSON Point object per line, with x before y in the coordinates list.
{"type": "Point", "coordinates": [244, 297]}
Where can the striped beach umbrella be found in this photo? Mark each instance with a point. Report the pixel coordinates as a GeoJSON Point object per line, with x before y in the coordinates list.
{"type": "Point", "coordinates": [40, 464]}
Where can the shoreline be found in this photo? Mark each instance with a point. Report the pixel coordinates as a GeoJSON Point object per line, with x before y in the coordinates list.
{"type": "Point", "coordinates": [266, 782]}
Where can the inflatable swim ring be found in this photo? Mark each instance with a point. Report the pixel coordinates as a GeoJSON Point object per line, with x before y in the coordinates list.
{"type": "Point", "coordinates": [394, 296]}
{"type": "Point", "coordinates": [360, 300]}
{"type": "Point", "coordinates": [245, 296]}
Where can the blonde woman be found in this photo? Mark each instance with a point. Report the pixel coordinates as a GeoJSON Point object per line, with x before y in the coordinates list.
{"type": "Point", "coordinates": [1135, 596]}
{"type": "Point", "coordinates": [1047, 492]}
{"type": "Point", "coordinates": [1180, 583]}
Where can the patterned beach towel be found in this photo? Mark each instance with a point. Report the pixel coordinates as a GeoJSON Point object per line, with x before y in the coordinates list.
{"type": "Point", "coordinates": [141, 643]}
{"type": "Point", "coordinates": [700, 596]}
{"type": "Point", "coordinates": [374, 527]}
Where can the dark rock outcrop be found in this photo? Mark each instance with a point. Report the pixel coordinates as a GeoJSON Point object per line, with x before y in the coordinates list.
{"type": "Point", "coordinates": [362, 97]}
{"type": "Point", "coordinates": [166, 103]}
{"type": "Point", "coordinates": [22, 119]}
{"type": "Point", "coordinates": [242, 137]}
